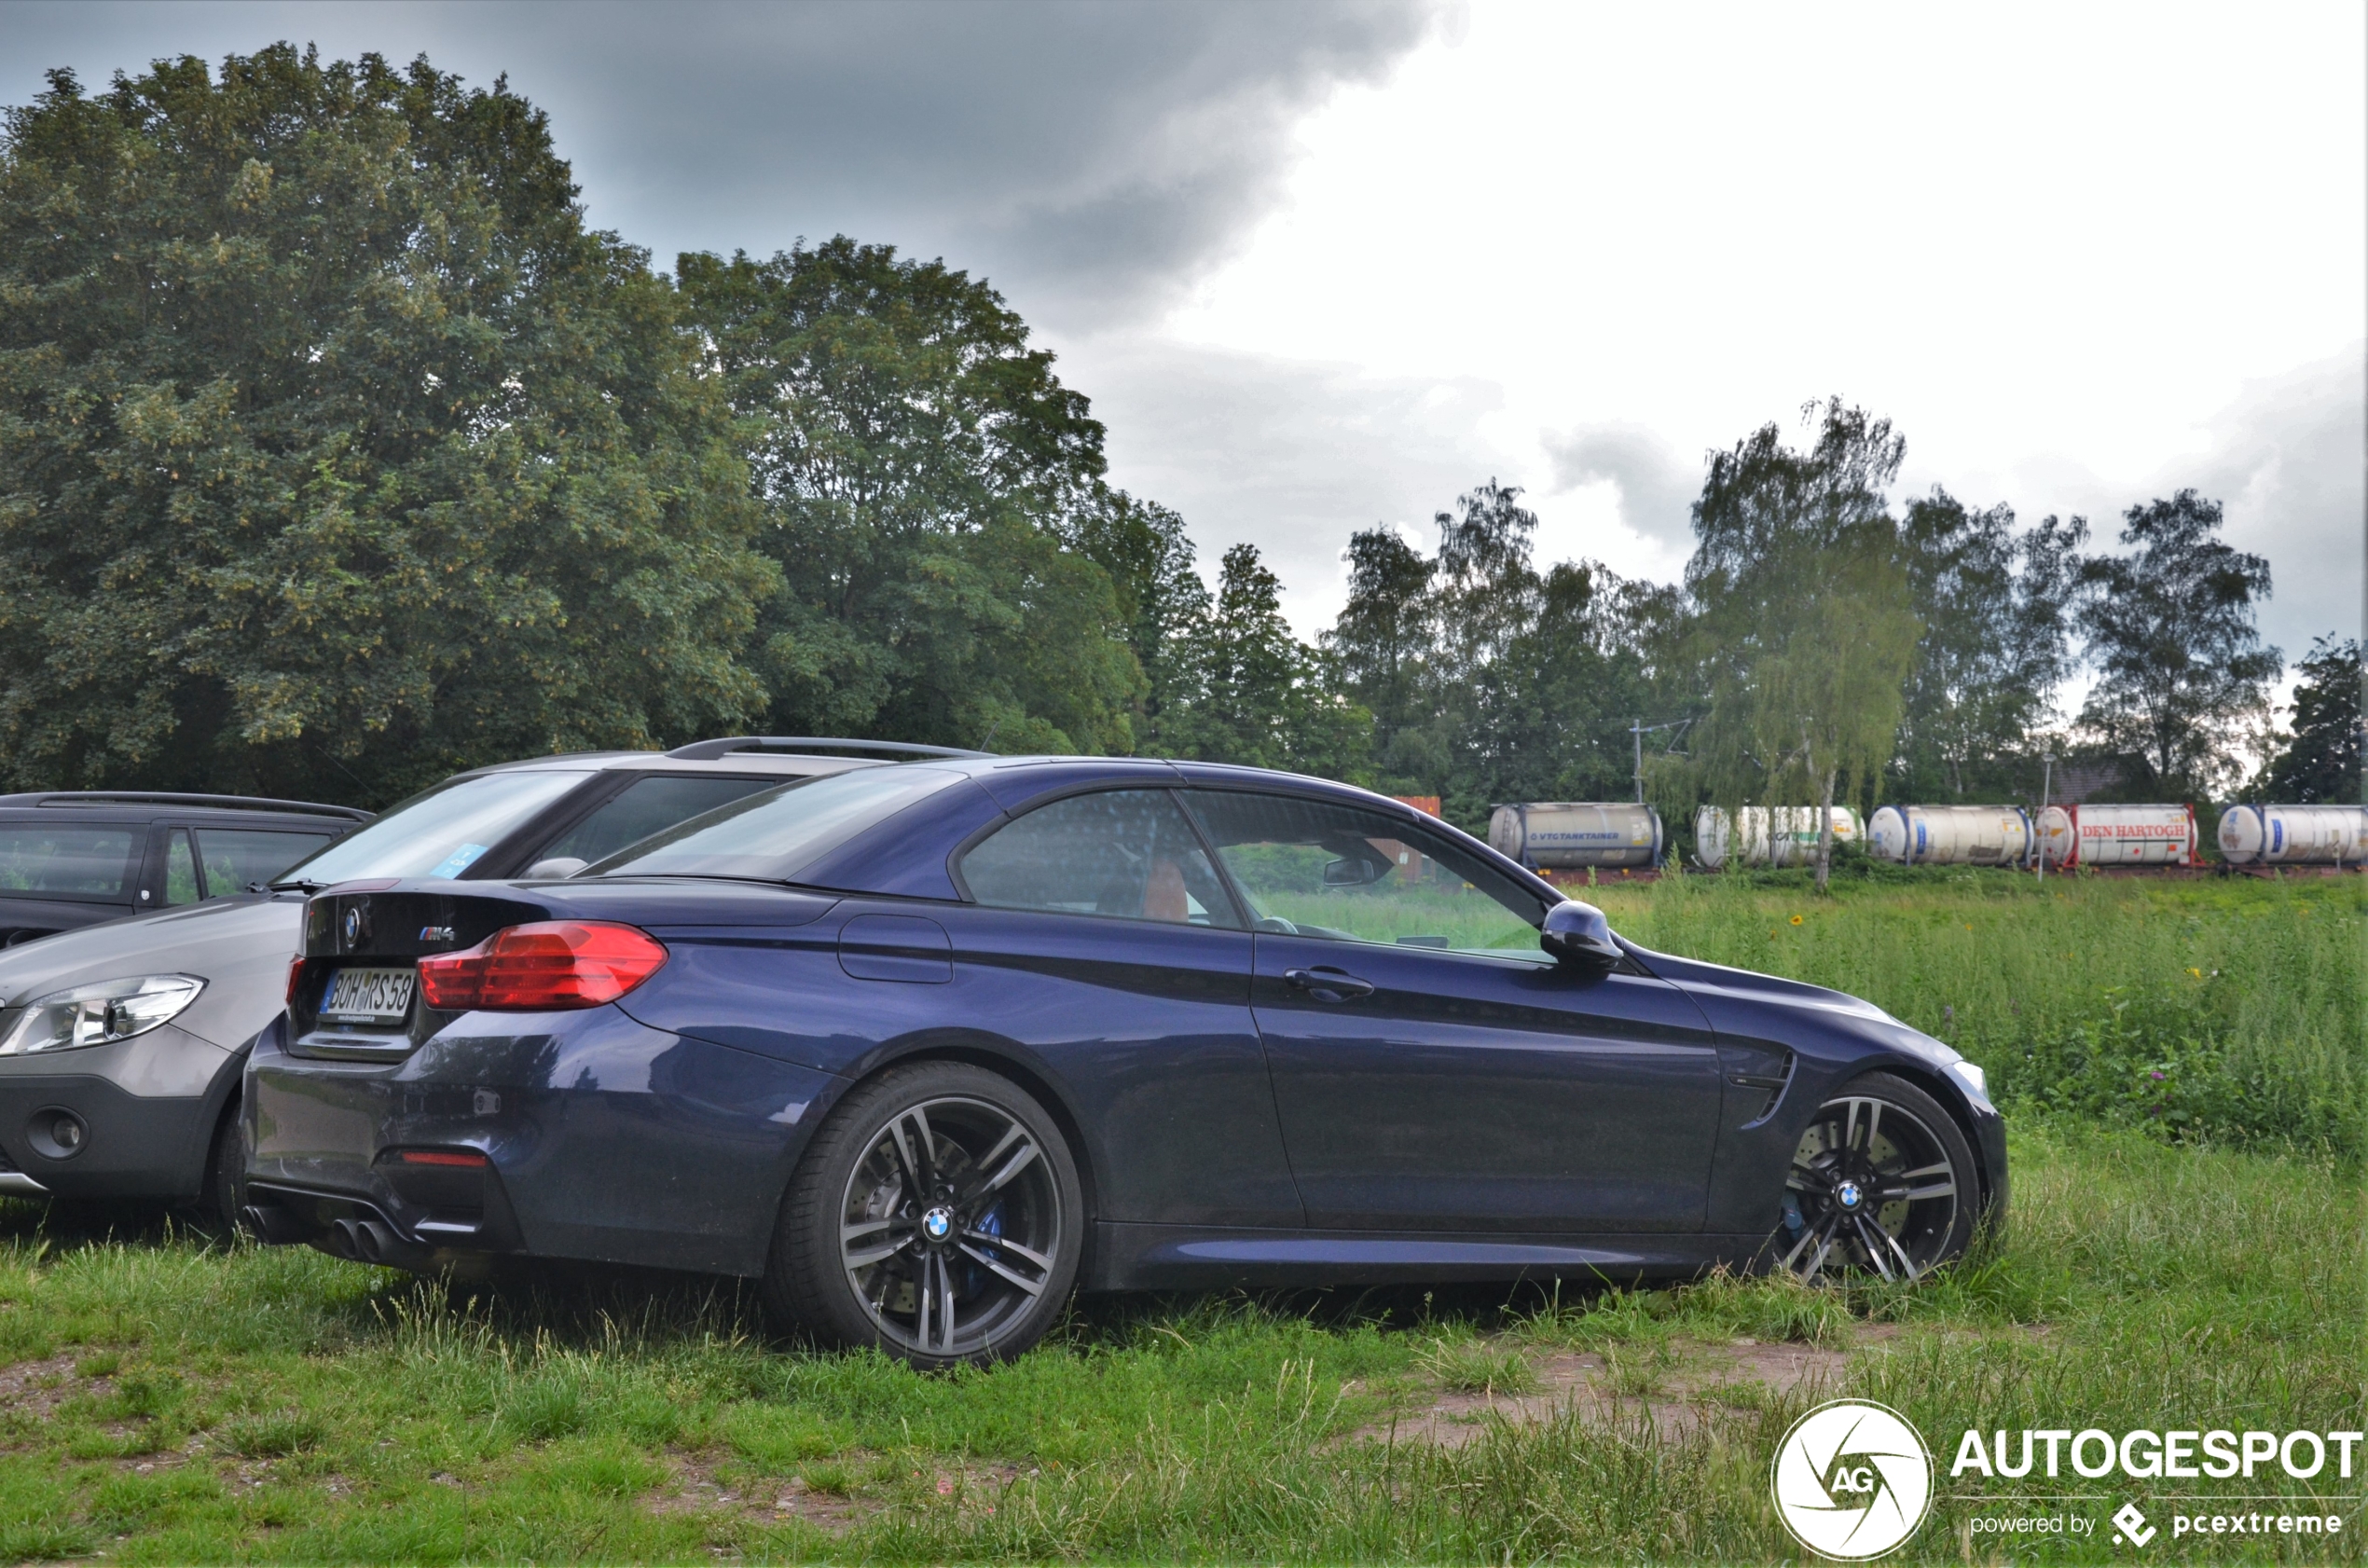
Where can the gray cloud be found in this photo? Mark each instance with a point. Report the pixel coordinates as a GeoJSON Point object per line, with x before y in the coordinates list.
{"type": "Point", "coordinates": [1091, 158]}
{"type": "Point", "coordinates": [1657, 486]}
{"type": "Point", "coordinates": [2286, 458]}
{"type": "Point", "coordinates": [1289, 455]}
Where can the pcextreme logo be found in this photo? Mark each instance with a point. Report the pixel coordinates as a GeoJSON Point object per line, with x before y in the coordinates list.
{"type": "Point", "coordinates": [1851, 1479]}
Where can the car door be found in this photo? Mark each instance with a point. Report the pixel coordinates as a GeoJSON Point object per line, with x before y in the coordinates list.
{"type": "Point", "coordinates": [1433, 1070]}
{"type": "Point", "coordinates": [1099, 935]}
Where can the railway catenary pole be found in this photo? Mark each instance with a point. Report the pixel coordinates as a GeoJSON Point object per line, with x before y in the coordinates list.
{"type": "Point", "coordinates": [2038, 845]}
{"type": "Point", "coordinates": [1637, 732]}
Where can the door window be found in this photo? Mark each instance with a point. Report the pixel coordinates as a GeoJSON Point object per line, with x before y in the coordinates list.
{"type": "Point", "coordinates": [180, 869]}
{"type": "Point", "coordinates": [1318, 869]}
{"type": "Point", "coordinates": [645, 807]}
{"type": "Point", "coordinates": [1128, 853]}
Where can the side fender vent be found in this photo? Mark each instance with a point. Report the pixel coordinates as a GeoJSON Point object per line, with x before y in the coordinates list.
{"type": "Point", "coordinates": [1773, 1081]}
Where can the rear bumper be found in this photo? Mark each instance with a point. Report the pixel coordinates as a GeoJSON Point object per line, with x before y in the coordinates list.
{"type": "Point", "coordinates": [603, 1139]}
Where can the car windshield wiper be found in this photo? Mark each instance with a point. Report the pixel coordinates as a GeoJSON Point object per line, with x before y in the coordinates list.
{"type": "Point", "coordinates": [295, 884]}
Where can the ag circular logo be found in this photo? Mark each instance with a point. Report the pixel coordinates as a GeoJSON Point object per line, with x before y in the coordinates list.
{"type": "Point", "coordinates": [1853, 1479]}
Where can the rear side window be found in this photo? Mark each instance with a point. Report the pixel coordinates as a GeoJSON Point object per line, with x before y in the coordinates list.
{"type": "Point", "coordinates": [65, 859]}
{"type": "Point", "coordinates": [236, 858]}
{"type": "Point", "coordinates": [1127, 853]}
{"type": "Point", "coordinates": [646, 806]}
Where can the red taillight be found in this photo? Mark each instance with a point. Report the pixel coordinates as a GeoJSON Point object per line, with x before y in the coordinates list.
{"type": "Point", "coordinates": [549, 965]}
{"type": "Point", "coordinates": [296, 977]}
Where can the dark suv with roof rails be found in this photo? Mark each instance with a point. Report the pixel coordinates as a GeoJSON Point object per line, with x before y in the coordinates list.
{"type": "Point", "coordinates": [120, 1045]}
{"type": "Point", "coordinates": [73, 858]}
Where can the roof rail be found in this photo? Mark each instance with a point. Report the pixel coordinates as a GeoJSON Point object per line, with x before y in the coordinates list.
{"type": "Point", "coordinates": [154, 797]}
{"type": "Point", "coordinates": [706, 750]}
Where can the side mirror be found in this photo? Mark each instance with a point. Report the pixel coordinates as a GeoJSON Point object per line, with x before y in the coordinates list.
{"type": "Point", "coordinates": [1579, 935]}
{"type": "Point", "coordinates": [553, 869]}
{"type": "Point", "coordinates": [1353, 874]}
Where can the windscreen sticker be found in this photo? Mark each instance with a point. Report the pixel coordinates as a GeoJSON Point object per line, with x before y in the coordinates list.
{"type": "Point", "coordinates": [459, 860]}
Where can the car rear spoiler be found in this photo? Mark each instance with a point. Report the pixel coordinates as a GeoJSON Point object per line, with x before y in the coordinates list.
{"type": "Point", "coordinates": [708, 750]}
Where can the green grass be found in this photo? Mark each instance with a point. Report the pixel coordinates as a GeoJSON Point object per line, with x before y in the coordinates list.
{"type": "Point", "coordinates": [161, 1402]}
{"type": "Point", "coordinates": [276, 1404]}
{"type": "Point", "coordinates": [2227, 1011]}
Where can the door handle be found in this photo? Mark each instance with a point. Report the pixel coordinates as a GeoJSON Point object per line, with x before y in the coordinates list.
{"type": "Point", "coordinates": [1328, 984]}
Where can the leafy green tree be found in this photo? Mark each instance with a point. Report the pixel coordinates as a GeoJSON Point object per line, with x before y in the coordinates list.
{"type": "Point", "coordinates": [1142, 547]}
{"type": "Point", "coordinates": [1259, 695]}
{"type": "Point", "coordinates": [334, 453]}
{"type": "Point", "coordinates": [925, 476]}
{"type": "Point", "coordinates": [2319, 759]}
{"type": "Point", "coordinates": [1805, 629]}
{"type": "Point", "coordinates": [2182, 667]}
{"type": "Point", "coordinates": [1997, 611]}
{"type": "Point", "coordinates": [1383, 636]}
{"type": "Point", "coordinates": [1489, 681]}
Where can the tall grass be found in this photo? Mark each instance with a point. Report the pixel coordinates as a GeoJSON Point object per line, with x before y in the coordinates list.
{"type": "Point", "coordinates": [2227, 1011]}
{"type": "Point", "coordinates": [268, 1404]}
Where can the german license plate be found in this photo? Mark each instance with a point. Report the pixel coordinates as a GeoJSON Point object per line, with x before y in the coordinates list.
{"type": "Point", "coordinates": [370, 996]}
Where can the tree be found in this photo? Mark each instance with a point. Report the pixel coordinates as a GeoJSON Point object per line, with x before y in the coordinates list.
{"type": "Point", "coordinates": [1997, 612]}
{"type": "Point", "coordinates": [1805, 626]}
{"type": "Point", "coordinates": [925, 477]}
{"type": "Point", "coordinates": [1259, 695]}
{"type": "Point", "coordinates": [2180, 660]}
{"type": "Point", "coordinates": [2319, 761]}
{"type": "Point", "coordinates": [334, 453]}
{"type": "Point", "coordinates": [1489, 681]}
{"type": "Point", "coordinates": [1383, 637]}
{"type": "Point", "coordinates": [1142, 547]}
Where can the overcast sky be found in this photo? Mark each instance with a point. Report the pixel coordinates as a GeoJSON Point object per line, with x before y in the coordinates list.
{"type": "Point", "coordinates": [1320, 266]}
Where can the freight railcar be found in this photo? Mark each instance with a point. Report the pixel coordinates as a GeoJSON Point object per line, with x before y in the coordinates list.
{"type": "Point", "coordinates": [1951, 835]}
{"type": "Point", "coordinates": [1750, 841]}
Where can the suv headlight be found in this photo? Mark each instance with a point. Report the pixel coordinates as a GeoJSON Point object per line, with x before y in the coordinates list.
{"type": "Point", "coordinates": [96, 1014]}
{"type": "Point", "coordinates": [1975, 1078]}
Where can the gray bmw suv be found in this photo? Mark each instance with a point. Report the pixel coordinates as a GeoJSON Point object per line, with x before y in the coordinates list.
{"type": "Point", "coordinates": [121, 1044]}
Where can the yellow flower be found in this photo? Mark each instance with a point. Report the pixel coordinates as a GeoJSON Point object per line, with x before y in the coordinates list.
{"type": "Point", "coordinates": [1969, 927]}
{"type": "Point", "coordinates": [2197, 973]}
{"type": "Point", "coordinates": [1795, 919]}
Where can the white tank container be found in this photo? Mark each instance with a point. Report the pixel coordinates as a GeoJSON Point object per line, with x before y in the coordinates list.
{"type": "Point", "coordinates": [1951, 835]}
{"type": "Point", "coordinates": [1749, 842]}
{"type": "Point", "coordinates": [2117, 835]}
{"type": "Point", "coordinates": [1561, 834]}
{"type": "Point", "coordinates": [2294, 835]}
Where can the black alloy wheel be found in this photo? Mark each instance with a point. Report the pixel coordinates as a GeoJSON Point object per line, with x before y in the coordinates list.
{"type": "Point", "coordinates": [938, 1217]}
{"type": "Point", "coordinates": [1882, 1182]}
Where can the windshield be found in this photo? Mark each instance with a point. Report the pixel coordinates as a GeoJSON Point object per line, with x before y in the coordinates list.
{"type": "Point", "coordinates": [777, 834]}
{"type": "Point", "coordinates": [439, 833]}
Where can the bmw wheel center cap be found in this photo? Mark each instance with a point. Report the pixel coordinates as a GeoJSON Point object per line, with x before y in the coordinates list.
{"type": "Point", "coordinates": [1847, 1194]}
{"type": "Point", "coordinates": [938, 1224]}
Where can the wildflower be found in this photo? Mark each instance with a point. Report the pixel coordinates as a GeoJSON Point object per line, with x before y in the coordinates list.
{"type": "Point", "coordinates": [2156, 1076]}
{"type": "Point", "coordinates": [2197, 973]}
{"type": "Point", "coordinates": [1795, 919]}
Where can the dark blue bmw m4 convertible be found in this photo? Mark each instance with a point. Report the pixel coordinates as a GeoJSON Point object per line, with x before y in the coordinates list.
{"type": "Point", "coordinates": [928, 1048]}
